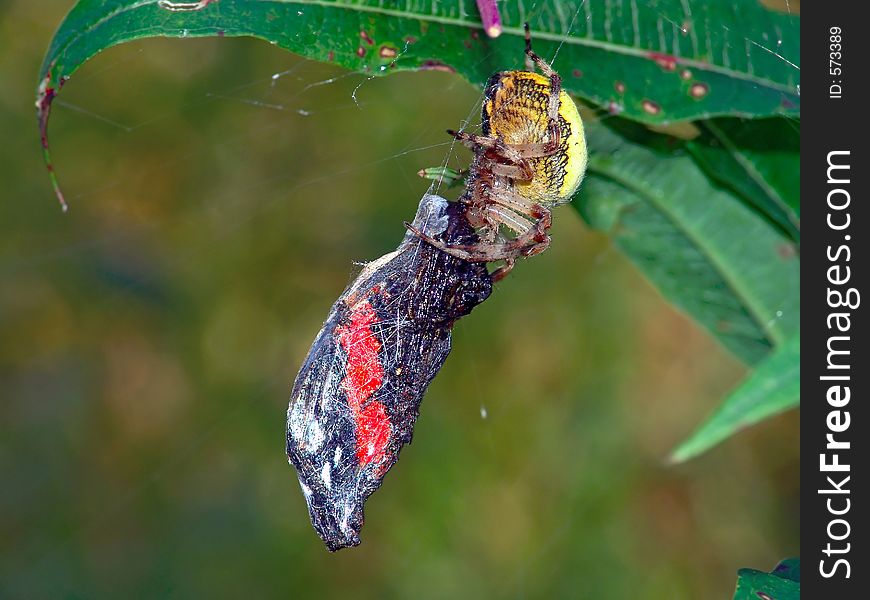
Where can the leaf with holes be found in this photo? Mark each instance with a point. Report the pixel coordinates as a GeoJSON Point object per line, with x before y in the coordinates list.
{"type": "Point", "coordinates": [706, 251]}
{"type": "Point", "coordinates": [773, 387]}
{"type": "Point", "coordinates": [652, 61]}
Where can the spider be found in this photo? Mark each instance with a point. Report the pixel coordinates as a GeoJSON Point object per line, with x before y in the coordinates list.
{"type": "Point", "coordinates": [530, 157]}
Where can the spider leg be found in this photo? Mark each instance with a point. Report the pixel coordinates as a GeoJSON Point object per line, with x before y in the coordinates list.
{"type": "Point", "coordinates": [465, 252]}
{"type": "Point", "coordinates": [532, 61]}
{"type": "Point", "coordinates": [471, 252]}
{"type": "Point", "coordinates": [516, 153]}
{"type": "Point", "coordinates": [509, 218]}
{"type": "Point", "coordinates": [503, 271]}
{"type": "Point", "coordinates": [533, 239]}
{"type": "Point", "coordinates": [504, 150]}
{"type": "Point", "coordinates": [510, 171]}
{"type": "Point", "coordinates": [520, 204]}
{"type": "Point", "coordinates": [548, 148]}
{"type": "Point", "coordinates": [471, 140]}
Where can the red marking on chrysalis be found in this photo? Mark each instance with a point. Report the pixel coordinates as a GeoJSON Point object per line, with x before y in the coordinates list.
{"type": "Point", "coordinates": [364, 376]}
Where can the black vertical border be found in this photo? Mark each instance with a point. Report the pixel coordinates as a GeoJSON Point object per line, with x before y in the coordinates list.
{"type": "Point", "coordinates": [833, 124]}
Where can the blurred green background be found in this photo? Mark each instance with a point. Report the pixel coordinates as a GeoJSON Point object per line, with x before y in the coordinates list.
{"type": "Point", "coordinates": [149, 339]}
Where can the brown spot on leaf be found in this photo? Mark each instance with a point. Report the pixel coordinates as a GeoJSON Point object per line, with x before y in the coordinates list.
{"type": "Point", "coordinates": [667, 62]}
{"type": "Point", "coordinates": [435, 65]}
{"type": "Point", "coordinates": [360, 51]}
{"type": "Point", "coordinates": [619, 87]}
{"type": "Point", "coordinates": [698, 90]}
{"type": "Point", "coordinates": [366, 37]}
{"type": "Point", "coordinates": [184, 6]}
{"type": "Point", "coordinates": [330, 56]}
{"type": "Point", "coordinates": [577, 73]}
{"type": "Point", "coordinates": [387, 52]}
{"type": "Point", "coordinates": [651, 107]}
{"type": "Point", "coordinates": [686, 74]}
{"type": "Point", "coordinates": [786, 251]}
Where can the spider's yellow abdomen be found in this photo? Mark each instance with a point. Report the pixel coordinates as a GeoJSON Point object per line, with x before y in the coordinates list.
{"type": "Point", "coordinates": [515, 111]}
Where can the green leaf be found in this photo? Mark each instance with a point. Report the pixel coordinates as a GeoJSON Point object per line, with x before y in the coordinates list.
{"type": "Point", "coordinates": [760, 161]}
{"type": "Point", "coordinates": [790, 568]}
{"type": "Point", "coordinates": [773, 387]}
{"type": "Point", "coordinates": [746, 56]}
{"type": "Point", "coordinates": [783, 583]}
{"type": "Point", "coordinates": [653, 61]}
{"type": "Point", "coordinates": [704, 249]}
